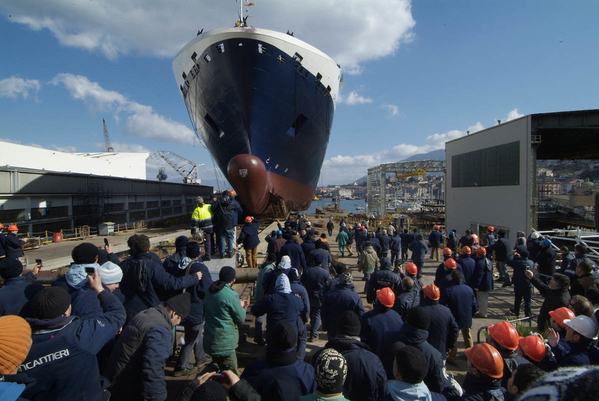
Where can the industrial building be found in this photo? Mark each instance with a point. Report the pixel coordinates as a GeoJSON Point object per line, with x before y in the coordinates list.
{"type": "Point", "coordinates": [43, 190]}
{"type": "Point", "coordinates": [492, 175]}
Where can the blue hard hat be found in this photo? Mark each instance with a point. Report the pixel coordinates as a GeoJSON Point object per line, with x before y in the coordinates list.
{"type": "Point", "coordinates": [279, 232]}
{"type": "Point", "coordinates": [547, 242]}
{"type": "Point", "coordinates": [451, 234]}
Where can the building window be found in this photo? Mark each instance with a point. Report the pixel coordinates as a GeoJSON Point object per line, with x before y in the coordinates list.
{"type": "Point", "coordinates": [490, 167]}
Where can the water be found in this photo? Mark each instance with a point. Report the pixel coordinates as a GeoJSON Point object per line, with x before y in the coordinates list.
{"type": "Point", "coordinates": [349, 205]}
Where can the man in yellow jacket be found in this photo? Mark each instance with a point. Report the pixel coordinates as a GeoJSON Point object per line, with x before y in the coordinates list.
{"type": "Point", "coordinates": [201, 219]}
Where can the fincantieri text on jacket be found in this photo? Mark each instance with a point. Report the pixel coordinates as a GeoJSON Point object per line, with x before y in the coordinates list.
{"type": "Point", "coordinates": [44, 359]}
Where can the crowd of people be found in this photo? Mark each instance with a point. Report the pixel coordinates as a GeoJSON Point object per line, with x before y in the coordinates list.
{"type": "Point", "coordinates": [105, 329]}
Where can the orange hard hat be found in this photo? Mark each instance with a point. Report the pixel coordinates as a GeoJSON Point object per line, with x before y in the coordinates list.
{"type": "Point", "coordinates": [412, 269]}
{"type": "Point", "coordinates": [451, 264]}
{"type": "Point", "coordinates": [486, 359]}
{"type": "Point", "coordinates": [437, 227]}
{"type": "Point", "coordinates": [13, 227]}
{"type": "Point", "coordinates": [475, 238]}
{"type": "Point", "coordinates": [1, 226]}
{"type": "Point", "coordinates": [447, 251]}
{"type": "Point", "coordinates": [362, 227]}
{"type": "Point", "coordinates": [232, 193]}
{"type": "Point", "coordinates": [560, 314]}
{"type": "Point", "coordinates": [481, 251]}
{"type": "Point", "coordinates": [249, 219]}
{"type": "Point", "coordinates": [432, 291]}
{"type": "Point", "coordinates": [533, 347]}
{"type": "Point", "coordinates": [490, 228]}
{"type": "Point", "coordinates": [466, 250]}
{"type": "Point", "coordinates": [386, 296]}
{"type": "Point", "coordinates": [505, 335]}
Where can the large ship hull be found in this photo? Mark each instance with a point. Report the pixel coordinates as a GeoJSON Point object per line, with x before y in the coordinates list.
{"type": "Point", "coordinates": [263, 103]}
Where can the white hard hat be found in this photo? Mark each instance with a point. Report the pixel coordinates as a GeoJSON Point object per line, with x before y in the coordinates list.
{"type": "Point", "coordinates": [583, 325]}
{"type": "Point", "coordinates": [534, 235]}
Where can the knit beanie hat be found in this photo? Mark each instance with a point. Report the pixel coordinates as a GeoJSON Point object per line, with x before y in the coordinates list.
{"type": "Point", "coordinates": [192, 250]}
{"type": "Point", "coordinates": [209, 391]}
{"type": "Point", "coordinates": [341, 267]}
{"type": "Point", "coordinates": [283, 336]}
{"type": "Point", "coordinates": [293, 275]}
{"type": "Point", "coordinates": [413, 365]}
{"type": "Point", "coordinates": [346, 278]}
{"type": "Point", "coordinates": [349, 324]}
{"type": "Point", "coordinates": [84, 253]}
{"type": "Point", "coordinates": [227, 274]}
{"type": "Point", "coordinates": [317, 259]}
{"type": "Point", "coordinates": [15, 341]}
{"type": "Point", "coordinates": [181, 304]}
{"type": "Point", "coordinates": [575, 383]}
{"type": "Point", "coordinates": [110, 273]}
{"type": "Point", "coordinates": [330, 371]}
{"type": "Point", "coordinates": [10, 268]}
{"type": "Point", "coordinates": [419, 318]}
{"type": "Point", "coordinates": [50, 303]}
{"type": "Point", "coordinates": [181, 242]}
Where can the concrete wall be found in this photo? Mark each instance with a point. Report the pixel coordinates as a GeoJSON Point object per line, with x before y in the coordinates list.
{"type": "Point", "coordinates": [506, 207]}
{"type": "Point", "coordinates": [124, 165]}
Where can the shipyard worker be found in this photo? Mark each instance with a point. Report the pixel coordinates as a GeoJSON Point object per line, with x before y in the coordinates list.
{"type": "Point", "coordinates": [533, 245]}
{"type": "Point", "coordinates": [15, 335]}
{"type": "Point", "coordinates": [337, 301]}
{"type": "Point", "coordinates": [176, 264]}
{"type": "Point", "coordinates": [315, 279]}
{"type": "Point", "coordinates": [330, 371]}
{"type": "Point", "coordinates": [490, 238]}
{"type": "Point", "coordinates": [501, 250]}
{"type": "Point", "coordinates": [556, 295]}
{"type": "Point", "coordinates": [368, 261]}
{"type": "Point", "coordinates": [136, 365]}
{"type": "Point", "coordinates": [385, 241]}
{"type": "Point", "coordinates": [523, 378]}
{"type": "Point", "coordinates": [482, 280]}
{"type": "Point", "coordinates": [376, 243]}
{"type": "Point", "coordinates": [330, 226]}
{"type": "Point", "coordinates": [250, 240]}
{"type": "Point", "coordinates": [2, 242]}
{"type": "Point", "coordinates": [435, 239]}
{"type": "Point", "coordinates": [580, 254]}
{"type": "Point", "coordinates": [194, 322]}
{"type": "Point", "coordinates": [223, 312]}
{"type": "Point", "coordinates": [380, 319]}
{"type": "Point", "coordinates": [300, 291]}
{"type": "Point", "coordinates": [460, 299]}
{"type": "Point", "coordinates": [201, 219]}
{"type": "Point", "coordinates": [419, 251]}
{"type": "Point", "coordinates": [395, 248]}
{"type": "Point", "coordinates": [467, 266]}
{"type": "Point", "coordinates": [63, 351]}
{"type": "Point", "coordinates": [295, 253]}
{"type": "Point", "coordinates": [342, 239]}
{"type": "Point", "coordinates": [324, 242]}
{"type": "Point", "coordinates": [405, 241]}
{"type": "Point", "coordinates": [308, 245]}
{"type": "Point", "coordinates": [226, 209]}
{"type": "Point", "coordinates": [338, 269]}
{"type": "Point", "coordinates": [409, 370]}
{"type": "Point", "coordinates": [566, 256]}
{"type": "Point", "coordinates": [411, 271]}
{"type": "Point", "coordinates": [84, 300]}
{"type": "Point", "coordinates": [466, 240]}
{"type": "Point", "coordinates": [546, 260]}
{"type": "Point", "coordinates": [382, 278]}
{"type": "Point", "coordinates": [443, 274]}
{"type": "Point", "coordinates": [12, 244]}
{"type": "Point", "coordinates": [409, 297]}
{"type": "Point", "coordinates": [443, 331]}
{"type": "Point", "coordinates": [18, 288]}
{"type": "Point", "coordinates": [350, 240]}
{"type": "Point", "coordinates": [583, 280]}
{"type": "Point", "coordinates": [142, 277]}
{"type": "Point", "coordinates": [270, 278]}
{"type": "Point", "coordinates": [504, 337]}
{"type": "Point", "coordinates": [483, 378]}
{"type": "Point", "coordinates": [366, 378]}
{"type": "Point", "coordinates": [452, 243]}
{"type": "Point", "coordinates": [522, 286]}
{"type": "Point", "coordinates": [580, 333]}
{"type": "Point", "coordinates": [281, 360]}
{"type": "Point", "coordinates": [265, 268]}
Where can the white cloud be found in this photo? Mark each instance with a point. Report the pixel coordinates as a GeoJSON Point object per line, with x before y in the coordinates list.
{"type": "Point", "coordinates": [350, 32]}
{"type": "Point", "coordinates": [65, 149]}
{"type": "Point", "coordinates": [123, 147]}
{"type": "Point", "coordinates": [393, 109]}
{"type": "Point", "coordinates": [354, 98]}
{"type": "Point", "coordinates": [341, 169]}
{"type": "Point", "coordinates": [14, 87]}
{"type": "Point", "coordinates": [512, 115]}
{"type": "Point", "coordinates": [141, 121]}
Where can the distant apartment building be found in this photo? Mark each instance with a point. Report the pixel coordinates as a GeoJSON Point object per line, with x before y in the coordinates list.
{"type": "Point", "coordinates": [548, 188]}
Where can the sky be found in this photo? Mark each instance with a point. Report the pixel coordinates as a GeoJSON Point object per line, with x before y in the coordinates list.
{"type": "Point", "coordinates": [416, 73]}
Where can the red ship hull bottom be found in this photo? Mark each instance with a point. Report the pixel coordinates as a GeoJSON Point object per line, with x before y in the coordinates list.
{"type": "Point", "coordinates": [254, 184]}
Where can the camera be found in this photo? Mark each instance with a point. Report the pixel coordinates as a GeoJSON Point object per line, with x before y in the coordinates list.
{"type": "Point", "coordinates": [105, 241]}
{"type": "Point", "coordinates": [90, 270]}
{"type": "Point", "coordinates": [219, 378]}
{"type": "Point", "coordinates": [38, 261]}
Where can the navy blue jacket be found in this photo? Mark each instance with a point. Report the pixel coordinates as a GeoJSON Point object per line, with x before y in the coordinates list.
{"type": "Point", "coordinates": [259, 373]}
{"type": "Point", "coordinates": [226, 209]}
{"type": "Point", "coordinates": [405, 240]}
{"type": "Point", "coordinates": [520, 265]}
{"type": "Point", "coordinates": [443, 277]}
{"type": "Point", "coordinates": [278, 307]}
{"type": "Point", "coordinates": [327, 259]}
{"type": "Point", "coordinates": [546, 260]}
{"type": "Point", "coordinates": [468, 266]}
{"type": "Point", "coordinates": [395, 245]}
{"type": "Point", "coordinates": [501, 248]}
{"type": "Point", "coordinates": [385, 241]}
{"type": "Point", "coordinates": [175, 265]}
{"type": "Point", "coordinates": [270, 279]}
{"type": "Point", "coordinates": [2, 244]}
{"type": "Point", "coordinates": [554, 299]}
{"type": "Point", "coordinates": [435, 238]}
{"type": "Point", "coordinates": [381, 279]}
{"type": "Point", "coordinates": [16, 294]}
{"type": "Point", "coordinates": [140, 276]}
{"type": "Point", "coordinates": [63, 354]}
{"type": "Point", "coordinates": [12, 246]}
{"type": "Point", "coordinates": [298, 289]}
{"type": "Point", "coordinates": [466, 240]}
{"type": "Point", "coordinates": [577, 356]}
{"type": "Point", "coordinates": [376, 245]}
{"type": "Point", "coordinates": [483, 274]}
{"type": "Point", "coordinates": [462, 303]}
{"type": "Point", "coordinates": [482, 389]}
{"type": "Point", "coordinates": [366, 377]}
{"type": "Point", "coordinates": [337, 301]}
{"type": "Point", "coordinates": [377, 322]}
{"type": "Point", "coordinates": [197, 292]}
{"type": "Point", "coordinates": [435, 380]}
{"type": "Point", "coordinates": [249, 235]}
{"type": "Point", "coordinates": [295, 253]}
{"type": "Point", "coordinates": [406, 301]}
{"type": "Point", "coordinates": [534, 247]}
{"type": "Point", "coordinates": [443, 331]}
{"type": "Point", "coordinates": [84, 301]}
{"type": "Point", "coordinates": [315, 279]}
{"type": "Point", "coordinates": [419, 250]}
{"type": "Point", "coordinates": [307, 247]}
{"type": "Point", "coordinates": [489, 239]}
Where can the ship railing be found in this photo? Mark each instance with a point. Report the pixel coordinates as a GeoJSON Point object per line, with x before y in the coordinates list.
{"type": "Point", "coordinates": [576, 236]}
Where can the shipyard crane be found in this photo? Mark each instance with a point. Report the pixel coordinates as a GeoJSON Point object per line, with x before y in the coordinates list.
{"type": "Point", "coordinates": [109, 147]}
{"type": "Point", "coordinates": [187, 169]}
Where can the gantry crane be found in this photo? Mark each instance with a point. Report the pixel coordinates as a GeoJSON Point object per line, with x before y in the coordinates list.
{"type": "Point", "coordinates": [187, 169]}
{"type": "Point", "coordinates": [109, 147]}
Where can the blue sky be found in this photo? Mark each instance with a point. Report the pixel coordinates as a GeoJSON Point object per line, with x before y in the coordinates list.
{"type": "Point", "coordinates": [416, 73]}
